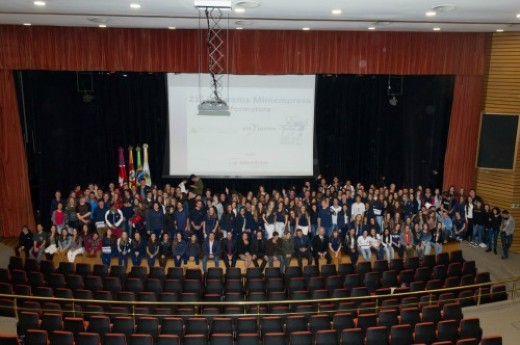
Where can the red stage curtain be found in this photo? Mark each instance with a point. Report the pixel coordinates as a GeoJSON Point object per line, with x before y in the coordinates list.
{"type": "Point", "coordinates": [15, 196]}
{"type": "Point", "coordinates": [461, 148]}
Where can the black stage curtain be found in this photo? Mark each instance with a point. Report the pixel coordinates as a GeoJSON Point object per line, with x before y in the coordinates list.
{"type": "Point", "coordinates": [362, 137]}
{"type": "Point", "coordinates": [72, 139]}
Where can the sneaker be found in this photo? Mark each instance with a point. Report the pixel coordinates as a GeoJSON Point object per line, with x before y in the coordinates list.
{"type": "Point", "coordinates": [483, 245]}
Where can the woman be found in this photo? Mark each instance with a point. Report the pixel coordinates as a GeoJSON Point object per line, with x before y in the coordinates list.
{"type": "Point", "coordinates": [93, 244]}
{"type": "Point", "coordinates": [468, 211]}
{"type": "Point", "coordinates": [376, 246]}
{"type": "Point", "coordinates": [335, 247]}
{"type": "Point", "coordinates": [313, 216]}
{"type": "Point", "coordinates": [351, 246]}
{"type": "Point", "coordinates": [426, 239]}
{"type": "Point", "coordinates": [488, 230]}
{"type": "Point", "coordinates": [210, 223]}
{"type": "Point", "coordinates": [386, 242]}
{"type": "Point", "coordinates": [138, 250]}
{"type": "Point", "coordinates": [496, 222]}
{"type": "Point", "coordinates": [437, 239]}
{"type": "Point", "coordinates": [76, 246]}
{"type": "Point", "coordinates": [124, 248]}
{"type": "Point", "coordinates": [70, 215]}
{"type": "Point", "coordinates": [165, 250]}
{"type": "Point", "coordinates": [239, 224]}
{"type": "Point", "coordinates": [193, 250]}
{"type": "Point", "coordinates": [478, 223]}
{"type": "Point", "coordinates": [407, 242]}
{"type": "Point", "coordinates": [59, 217]}
{"type": "Point", "coordinates": [108, 249]}
{"type": "Point", "coordinates": [282, 219]}
{"type": "Point", "coordinates": [343, 218]}
{"type": "Point", "coordinates": [152, 250]}
{"type": "Point", "coordinates": [396, 241]}
{"type": "Point", "coordinates": [227, 221]}
{"type": "Point", "coordinates": [53, 244]}
{"type": "Point", "coordinates": [244, 250]}
{"type": "Point", "coordinates": [364, 244]}
{"type": "Point", "coordinates": [178, 249]}
{"type": "Point", "coordinates": [269, 218]}
{"type": "Point", "coordinates": [39, 243]}
{"type": "Point", "coordinates": [291, 221]}
{"type": "Point", "coordinates": [303, 221]}
{"type": "Point", "coordinates": [64, 242]}
{"type": "Point", "coordinates": [417, 240]}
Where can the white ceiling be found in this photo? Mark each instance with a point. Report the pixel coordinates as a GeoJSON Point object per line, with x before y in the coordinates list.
{"type": "Point", "coordinates": [384, 15]}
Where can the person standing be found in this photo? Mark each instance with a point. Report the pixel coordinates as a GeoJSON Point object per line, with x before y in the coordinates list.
{"type": "Point", "coordinates": [108, 249]}
{"type": "Point", "coordinates": [124, 248]}
{"type": "Point", "coordinates": [152, 250]}
{"type": "Point", "coordinates": [138, 250]}
{"type": "Point", "coordinates": [155, 220]}
{"type": "Point", "coordinates": [507, 228]}
{"type": "Point", "coordinates": [114, 220]}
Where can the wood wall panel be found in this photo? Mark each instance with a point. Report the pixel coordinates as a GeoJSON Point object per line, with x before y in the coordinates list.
{"type": "Point", "coordinates": [502, 95]}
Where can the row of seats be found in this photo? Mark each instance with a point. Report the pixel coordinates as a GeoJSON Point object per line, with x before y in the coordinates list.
{"type": "Point", "coordinates": [84, 269]}
{"type": "Point", "coordinates": [223, 332]}
{"type": "Point", "coordinates": [338, 320]}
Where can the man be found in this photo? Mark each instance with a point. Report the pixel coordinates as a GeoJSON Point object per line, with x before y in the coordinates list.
{"type": "Point", "coordinates": [274, 251]}
{"type": "Point", "coordinates": [56, 200]}
{"type": "Point", "coordinates": [335, 209]}
{"type": "Point", "coordinates": [507, 228]}
{"type": "Point", "coordinates": [228, 247]}
{"type": "Point", "coordinates": [447, 225]}
{"type": "Point", "coordinates": [302, 248]}
{"type": "Point", "coordinates": [211, 249]}
{"type": "Point", "coordinates": [155, 220]}
{"type": "Point", "coordinates": [196, 220]}
{"type": "Point", "coordinates": [181, 220]}
{"type": "Point", "coordinates": [287, 247]}
{"type": "Point", "coordinates": [258, 250]}
{"type": "Point", "coordinates": [325, 217]}
{"type": "Point", "coordinates": [320, 247]}
{"type": "Point", "coordinates": [25, 242]}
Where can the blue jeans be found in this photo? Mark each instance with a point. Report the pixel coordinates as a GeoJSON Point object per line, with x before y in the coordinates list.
{"type": "Point", "coordinates": [427, 247]}
{"type": "Point", "coordinates": [379, 221]}
{"type": "Point", "coordinates": [389, 252]}
{"type": "Point", "coordinates": [328, 230]}
{"type": "Point", "coordinates": [151, 260]}
{"type": "Point", "coordinates": [492, 239]}
{"type": "Point", "coordinates": [314, 229]}
{"type": "Point", "coordinates": [365, 252]}
{"type": "Point", "coordinates": [438, 248]}
{"type": "Point", "coordinates": [477, 233]}
{"type": "Point", "coordinates": [506, 243]}
{"type": "Point", "coordinates": [205, 259]}
{"type": "Point", "coordinates": [123, 259]}
{"type": "Point", "coordinates": [106, 258]}
{"type": "Point", "coordinates": [136, 259]}
{"type": "Point", "coordinates": [177, 262]}
{"type": "Point", "coordinates": [280, 258]}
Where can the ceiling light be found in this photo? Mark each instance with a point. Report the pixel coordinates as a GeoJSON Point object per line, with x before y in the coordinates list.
{"type": "Point", "coordinates": [102, 25]}
{"type": "Point", "coordinates": [371, 28]}
{"type": "Point", "coordinates": [239, 28]}
{"type": "Point", "coordinates": [306, 29]}
{"type": "Point", "coordinates": [247, 3]}
{"type": "Point", "coordinates": [518, 15]}
{"type": "Point", "coordinates": [336, 11]}
{"type": "Point", "coordinates": [431, 14]}
{"type": "Point", "coordinates": [135, 6]}
{"type": "Point", "coordinates": [40, 3]}
{"type": "Point", "coordinates": [436, 29]}
{"type": "Point", "coordinates": [500, 30]}
{"type": "Point", "coordinates": [171, 27]}
{"type": "Point", "coordinates": [239, 10]}
{"type": "Point", "coordinates": [27, 24]}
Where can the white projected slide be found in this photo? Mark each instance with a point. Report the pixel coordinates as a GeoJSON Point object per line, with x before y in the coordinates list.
{"type": "Point", "coordinates": [269, 131]}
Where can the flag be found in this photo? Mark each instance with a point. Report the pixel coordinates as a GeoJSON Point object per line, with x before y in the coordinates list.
{"type": "Point", "coordinates": [122, 167]}
{"type": "Point", "coordinates": [146, 167]}
{"type": "Point", "coordinates": [139, 173]}
{"type": "Point", "coordinates": [131, 170]}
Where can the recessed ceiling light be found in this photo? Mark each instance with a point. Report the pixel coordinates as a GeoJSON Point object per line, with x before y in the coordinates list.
{"type": "Point", "coordinates": [239, 10]}
{"type": "Point", "coordinates": [239, 28]}
{"type": "Point", "coordinates": [500, 30]}
{"type": "Point", "coordinates": [27, 24]}
{"type": "Point", "coordinates": [102, 25]}
{"type": "Point", "coordinates": [518, 15]}
{"type": "Point", "coordinates": [247, 3]}
{"type": "Point", "coordinates": [306, 29]}
{"type": "Point", "coordinates": [371, 28]}
{"type": "Point", "coordinates": [436, 29]}
{"type": "Point", "coordinates": [431, 14]}
{"type": "Point", "coordinates": [172, 27]}
{"type": "Point", "coordinates": [135, 6]}
{"type": "Point", "coordinates": [40, 3]}
{"type": "Point", "coordinates": [336, 11]}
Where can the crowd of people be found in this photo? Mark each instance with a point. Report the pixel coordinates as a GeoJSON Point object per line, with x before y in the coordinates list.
{"type": "Point", "coordinates": [321, 220]}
